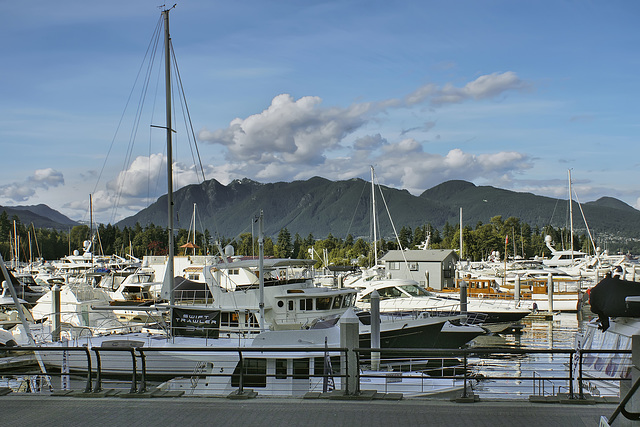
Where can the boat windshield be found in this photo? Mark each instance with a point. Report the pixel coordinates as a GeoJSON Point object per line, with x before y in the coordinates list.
{"type": "Point", "coordinates": [415, 291]}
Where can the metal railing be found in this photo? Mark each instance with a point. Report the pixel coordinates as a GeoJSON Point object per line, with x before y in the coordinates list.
{"type": "Point", "coordinates": [475, 367]}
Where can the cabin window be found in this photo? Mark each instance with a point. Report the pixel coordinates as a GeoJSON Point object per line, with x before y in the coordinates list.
{"type": "Point", "coordinates": [337, 301]}
{"type": "Point", "coordinates": [301, 368]}
{"type": "Point", "coordinates": [306, 304]}
{"type": "Point", "coordinates": [194, 277]}
{"type": "Point", "coordinates": [387, 293]}
{"type": "Point", "coordinates": [323, 303]}
{"type": "Point", "coordinates": [393, 265]}
{"type": "Point", "coordinates": [234, 319]}
{"type": "Point", "coordinates": [413, 266]}
{"type": "Point", "coordinates": [281, 369]}
{"type": "Point", "coordinates": [333, 366]}
{"type": "Point", "coordinates": [290, 305]}
{"type": "Point", "coordinates": [447, 273]}
{"type": "Point", "coordinates": [228, 319]}
{"type": "Point", "coordinates": [347, 301]}
{"type": "Point", "coordinates": [251, 320]}
{"type": "Point", "coordinates": [254, 373]}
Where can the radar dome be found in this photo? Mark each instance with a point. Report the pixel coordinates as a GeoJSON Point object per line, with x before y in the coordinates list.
{"type": "Point", "coordinates": [229, 251]}
{"type": "Point", "coordinates": [548, 239]}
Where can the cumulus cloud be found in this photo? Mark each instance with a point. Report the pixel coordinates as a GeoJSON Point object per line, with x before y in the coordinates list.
{"type": "Point", "coordinates": [406, 165]}
{"type": "Point", "coordinates": [369, 142]}
{"type": "Point", "coordinates": [299, 138]}
{"type": "Point", "coordinates": [484, 87]}
{"type": "Point", "coordinates": [41, 179]}
{"type": "Point", "coordinates": [139, 185]}
{"type": "Point", "coordinates": [288, 131]}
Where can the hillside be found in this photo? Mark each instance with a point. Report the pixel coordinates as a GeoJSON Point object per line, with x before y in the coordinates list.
{"type": "Point", "coordinates": [319, 206]}
{"type": "Point", "coordinates": [41, 216]}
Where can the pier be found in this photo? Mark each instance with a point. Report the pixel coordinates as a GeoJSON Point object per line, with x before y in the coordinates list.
{"type": "Point", "coordinates": [113, 412]}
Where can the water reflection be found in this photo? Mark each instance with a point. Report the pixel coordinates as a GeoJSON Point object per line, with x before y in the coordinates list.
{"type": "Point", "coordinates": [518, 376]}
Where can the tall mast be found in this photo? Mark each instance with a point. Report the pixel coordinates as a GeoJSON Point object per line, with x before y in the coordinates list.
{"type": "Point", "coordinates": [373, 219]}
{"type": "Point", "coordinates": [461, 236]}
{"type": "Point", "coordinates": [91, 225]}
{"type": "Point", "coordinates": [167, 77]}
{"type": "Point", "coordinates": [571, 214]}
{"type": "Point", "coordinates": [194, 229]}
{"type": "Point", "coordinates": [261, 269]}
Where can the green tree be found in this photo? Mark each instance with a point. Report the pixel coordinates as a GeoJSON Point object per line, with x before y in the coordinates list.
{"type": "Point", "coordinates": [283, 247]}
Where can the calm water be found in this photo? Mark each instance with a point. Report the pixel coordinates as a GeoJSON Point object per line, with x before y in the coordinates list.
{"type": "Point", "coordinates": [517, 372]}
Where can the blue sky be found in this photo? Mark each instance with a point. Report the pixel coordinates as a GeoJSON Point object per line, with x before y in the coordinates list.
{"type": "Point", "coordinates": [503, 93]}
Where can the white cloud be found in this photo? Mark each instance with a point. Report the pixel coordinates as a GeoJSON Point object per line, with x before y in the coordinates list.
{"type": "Point", "coordinates": [41, 179]}
{"type": "Point", "coordinates": [289, 131]}
{"type": "Point", "coordinates": [484, 87]}
{"type": "Point", "coordinates": [298, 139]}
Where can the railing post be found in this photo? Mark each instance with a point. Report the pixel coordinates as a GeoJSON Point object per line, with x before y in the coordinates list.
{"type": "Point", "coordinates": [571, 359]}
{"type": "Point", "coordinates": [88, 387]}
{"type": "Point", "coordinates": [241, 381]}
{"type": "Point", "coordinates": [580, 386]}
{"type": "Point", "coordinates": [98, 387]}
{"type": "Point", "coordinates": [134, 377]}
{"type": "Point", "coordinates": [143, 367]}
{"type": "Point", "coordinates": [464, 391]}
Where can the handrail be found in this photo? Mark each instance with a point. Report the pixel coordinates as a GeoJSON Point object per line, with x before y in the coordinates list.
{"type": "Point", "coordinates": [413, 354]}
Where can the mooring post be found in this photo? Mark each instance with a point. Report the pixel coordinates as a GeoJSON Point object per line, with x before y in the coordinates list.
{"type": "Point", "coordinates": [56, 313]}
{"type": "Point", "coordinates": [550, 292]}
{"type": "Point", "coordinates": [349, 339]}
{"type": "Point", "coordinates": [375, 329]}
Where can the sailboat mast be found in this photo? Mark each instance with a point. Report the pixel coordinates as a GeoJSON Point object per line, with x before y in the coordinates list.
{"type": "Point", "coordinates": [261, 269]}
{"type": "Point", "coordinates": [571, 215]}
{"type": "Point", "coordinates": [373, 218]}
{"type": "Point", "coordinates": [91, 225]}
{"type": "Point", "coordinates": [167, 76]}
{"type": "Point", "coordinates": [460, 236]}
{"type": "Point", "coordinates": [194, 229]}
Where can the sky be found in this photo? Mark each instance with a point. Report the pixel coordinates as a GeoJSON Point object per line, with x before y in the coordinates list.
{"type": "Point", "coordinates": [502, 93]}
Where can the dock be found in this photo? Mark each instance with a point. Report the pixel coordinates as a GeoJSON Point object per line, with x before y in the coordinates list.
{"type": "Point", "coordinates": [42, 411]}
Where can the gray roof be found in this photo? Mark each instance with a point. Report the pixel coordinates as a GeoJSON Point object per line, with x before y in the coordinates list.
{"type": "Point", "coordinates": [429, 255]}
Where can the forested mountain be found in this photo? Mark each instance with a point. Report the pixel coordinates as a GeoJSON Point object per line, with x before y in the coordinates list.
{"type": "Point", "coordinates": [321, 207]}
{"type": "Point", "coordinates": [41, 216]}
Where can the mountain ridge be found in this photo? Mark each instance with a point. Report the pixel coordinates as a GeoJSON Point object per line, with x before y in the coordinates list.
{"type": "Point", "coordinates": [320, 207]}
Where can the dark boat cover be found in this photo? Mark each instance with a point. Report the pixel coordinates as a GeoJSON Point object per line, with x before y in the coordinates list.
{"type": "Point", "coordinates": [185, 289]}
{"type": "Point", "coordinates": [607, 299]}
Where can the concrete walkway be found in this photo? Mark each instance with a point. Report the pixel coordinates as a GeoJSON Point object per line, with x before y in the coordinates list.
{"type": "Point", "coordinates": [42, 411]}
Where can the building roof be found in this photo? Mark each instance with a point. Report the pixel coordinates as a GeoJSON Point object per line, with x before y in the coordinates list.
{"type": "Point", "coordinates": [429, 255]}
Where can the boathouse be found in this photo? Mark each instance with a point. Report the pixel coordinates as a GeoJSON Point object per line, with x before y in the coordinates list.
{"type": "Point", "coordinates": [433, 268]}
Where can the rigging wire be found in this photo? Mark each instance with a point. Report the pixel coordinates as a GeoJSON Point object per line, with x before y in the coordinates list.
{"type": "Point", "coordinates": [404, 257]}
{"type": "Point", "coordinates": [126, 106]}
{"type": "Point", "coordinates": [151, 55]}
{"type": "Point", "coordinates": [364, 187]}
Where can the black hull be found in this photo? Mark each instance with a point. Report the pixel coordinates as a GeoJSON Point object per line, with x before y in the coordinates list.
{"type": "Point", "coordinates": [422, 336]}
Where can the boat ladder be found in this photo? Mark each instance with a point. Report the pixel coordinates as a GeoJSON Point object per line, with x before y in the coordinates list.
{"type": "Point", "coordinates": [199, 369]}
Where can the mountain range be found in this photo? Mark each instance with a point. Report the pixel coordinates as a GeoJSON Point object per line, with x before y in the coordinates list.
{"type": "Point", "coordinates": [41, 216]}
{"type": "Point", "coordinates": [321, 207]}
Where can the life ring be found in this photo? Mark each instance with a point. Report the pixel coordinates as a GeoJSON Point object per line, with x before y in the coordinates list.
{"type": "Point", "coordinates": [480, 295]}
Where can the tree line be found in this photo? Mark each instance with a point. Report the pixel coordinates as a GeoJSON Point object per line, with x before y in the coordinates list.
{"type": "Point", "coordinates": [510, 236]}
